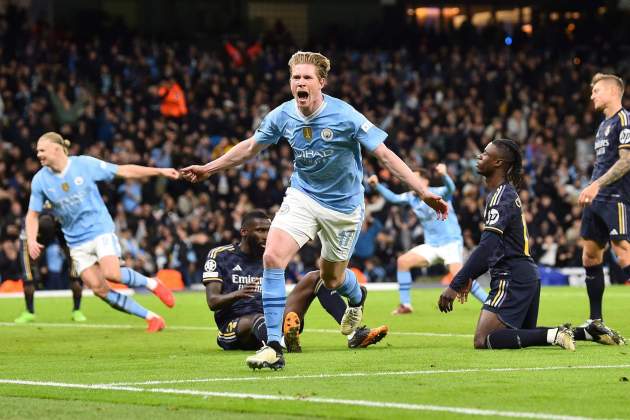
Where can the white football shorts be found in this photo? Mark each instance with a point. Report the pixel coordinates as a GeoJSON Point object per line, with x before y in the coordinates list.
{"type": "Point", "coordinates": [450, 253]}
{"type": "Point", "coordinates": [302, 217]}
{"type": "Point", "coordinates": [89, 253]}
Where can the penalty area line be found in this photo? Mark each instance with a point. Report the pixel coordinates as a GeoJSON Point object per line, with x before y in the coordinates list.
{"type": "Point", "coordinates": [368, 374]}
{"type": "Point", "coordinates": [301, 399]}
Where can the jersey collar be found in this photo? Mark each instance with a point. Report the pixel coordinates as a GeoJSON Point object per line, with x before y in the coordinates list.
{"type": "Point", "coordinates": [64, 171]}
{"type": "Point", "coordinates": [314, 114]}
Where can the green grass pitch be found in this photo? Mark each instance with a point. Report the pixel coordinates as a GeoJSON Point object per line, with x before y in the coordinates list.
{"type": "Point", "coordinates": [426, 367]}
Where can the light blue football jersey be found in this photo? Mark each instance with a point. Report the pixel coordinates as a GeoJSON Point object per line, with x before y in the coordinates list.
{"type": "Point", "coordinates": [75, 199]}
{"type": "Point", "coordinates": [436, 232]}
{"type": "Point", "coordinates": [327, 149]}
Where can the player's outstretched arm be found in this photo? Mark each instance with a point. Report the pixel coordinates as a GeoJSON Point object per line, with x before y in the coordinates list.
{"type": "Point", "coordinates": [387, 194]}
{"type": "Point", "coordinates": [137, 171]}
{"type": "Point", "coordinates": [32, 227]}
{"type": "Point", "coordinates": [237, 155]}
{"type": "Point", "coordinates": [396, 166]}
{"type": "Point", "coordinates": [449, 186]}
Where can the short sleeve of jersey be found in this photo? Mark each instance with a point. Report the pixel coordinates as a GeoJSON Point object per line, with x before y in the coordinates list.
{"type": "Point", "coordinates": [270, 129]}
{"type": "Point", "coordinates": [499, 210]}
{"type": "Point", "coordinates": [624, 130]}
{"type": "Point", "coordinates": [211, 270]}
{"type": "Point", "coordinates": [36, 202]}
{"type": "Point", "coordinates": [365, 132]}
{"type": "Point", "coordinates": [98, 169]}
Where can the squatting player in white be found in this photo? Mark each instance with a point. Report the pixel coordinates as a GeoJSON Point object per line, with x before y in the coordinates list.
{"type": "Point", "coordinates": [326, 193]}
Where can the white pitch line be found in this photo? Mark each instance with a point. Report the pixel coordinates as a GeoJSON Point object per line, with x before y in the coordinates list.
{"type": "Point", "coordinates": [317, 400]}
{"type": "Point", "coordinates": [198, 328]}
{"type": "Point", "coordinates": [365, 374]}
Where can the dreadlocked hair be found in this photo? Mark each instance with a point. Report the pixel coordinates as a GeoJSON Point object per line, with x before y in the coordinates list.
{"type": "Point", "coordinates": [514, 173]}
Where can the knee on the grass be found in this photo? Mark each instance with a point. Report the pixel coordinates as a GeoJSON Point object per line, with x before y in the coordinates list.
{"type": "Point", "coordinates": [479, 342]}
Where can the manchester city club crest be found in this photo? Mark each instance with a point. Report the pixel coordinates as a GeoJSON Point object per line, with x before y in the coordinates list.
{"type": "Point", "coordinates": [65, 187]}
{"type": "Point", "coordinates": [327, 134]}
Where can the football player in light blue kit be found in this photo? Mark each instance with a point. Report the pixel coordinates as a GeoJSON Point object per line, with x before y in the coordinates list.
{"type": "Point", "coordinates": [443, 242]}
{"type": "Point", "coordinates": [69, 184]}
{"type": "Point", "coordinates": [326, 194]}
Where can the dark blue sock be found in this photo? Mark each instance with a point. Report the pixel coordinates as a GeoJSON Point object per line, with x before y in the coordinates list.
{"type": "Point", "coordinates": [259, 329]}
{"type": "Point", "coordinates": [517, 339]}
{"type": "Point", "coordinates": [331, 301]}
{"type": "Point", "coordinates": [595, 289]}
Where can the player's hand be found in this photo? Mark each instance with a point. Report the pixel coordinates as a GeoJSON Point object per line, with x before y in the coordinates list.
{"type": "Point", "coordinates": [34, 249]}
{"type": "Point", "coordinates": [194, 173]}
{"type": "Point", "coordinates": [170, 173]}
{"type": "Point", "coordinates": [436, 203]}
{"type": "Point", "coordinates": [373, 181]}
{"type": "Point", "coordinates": [441, 169]}
{"type": "Point", "coordinates": [462, 295]}
{"type": "Point", "coordinates": [248, 291]}
{"type": "Point", "coordinates": [445, 302]}
{"type": "Point", "coordinates": [588, 194]}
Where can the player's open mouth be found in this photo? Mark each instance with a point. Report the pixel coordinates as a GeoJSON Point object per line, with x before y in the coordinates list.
{"type": "Point", "coordinates": [302, 96]}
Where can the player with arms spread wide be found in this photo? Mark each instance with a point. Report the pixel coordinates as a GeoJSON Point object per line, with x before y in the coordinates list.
{"type": "Point", "coordinates": [326, 193]}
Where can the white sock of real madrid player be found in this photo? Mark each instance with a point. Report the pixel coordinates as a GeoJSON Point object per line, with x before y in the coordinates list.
{"type": "Point", "coordinates": [274, 298]}
{"type": "Point", "coordinates": [351, 289]}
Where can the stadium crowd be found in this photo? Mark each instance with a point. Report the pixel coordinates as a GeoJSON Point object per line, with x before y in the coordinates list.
{"type": "Point", "coordinates": [127, 99]}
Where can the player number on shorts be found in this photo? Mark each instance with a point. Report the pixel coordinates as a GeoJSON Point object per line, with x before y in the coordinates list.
{"type": "Point", "coordinates": [345, 238]}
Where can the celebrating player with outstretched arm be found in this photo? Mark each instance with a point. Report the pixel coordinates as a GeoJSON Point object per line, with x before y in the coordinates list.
{"type": "Point", "coordinates": [69, 184]}
{"type": "Point", "coordinates": [326, 194]}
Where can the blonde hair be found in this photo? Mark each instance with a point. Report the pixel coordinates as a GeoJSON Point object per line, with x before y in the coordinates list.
{"type": "Point", "coordinates": [618, 81]}
{"type": "Point", "coordinates": [321, 63]}
{"type": "Point", "coordinates": [56, 138]}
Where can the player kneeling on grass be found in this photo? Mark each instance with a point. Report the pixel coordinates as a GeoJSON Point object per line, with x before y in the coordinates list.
{"type": "Point", "coordinates": [69, 184]}
{"type": "Point", "coordinates": [508, 318]}
{"type": "Point", "coordinates": [232, 276]}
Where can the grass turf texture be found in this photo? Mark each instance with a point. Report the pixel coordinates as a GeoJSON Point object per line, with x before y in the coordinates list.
{"type": "Point", "coordinates": [402, 376]}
